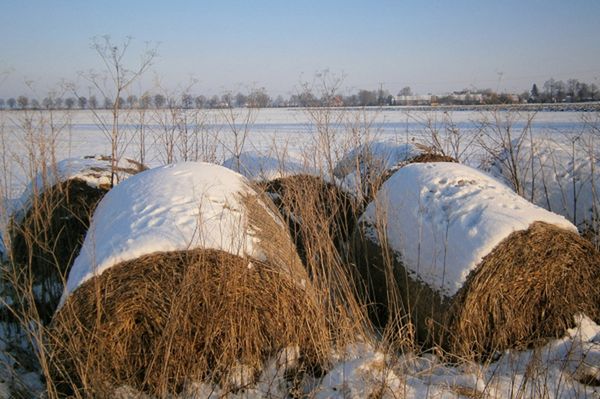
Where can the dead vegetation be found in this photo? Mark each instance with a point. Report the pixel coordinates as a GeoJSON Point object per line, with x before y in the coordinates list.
{"type": "Point", "coordinates": [320, 218]}
{"type": "Point", "coordinates": [527, 290]}
{"type": "Point", "coordinates": [48, 238]}
{"type": "Point", "coordinates": [163, 320]}
{"type": "Point", "coordinates": [313, 208]}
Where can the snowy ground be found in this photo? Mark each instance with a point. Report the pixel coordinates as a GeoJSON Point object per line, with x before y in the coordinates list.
{"type": "Point", "coordinates": [552, 371]}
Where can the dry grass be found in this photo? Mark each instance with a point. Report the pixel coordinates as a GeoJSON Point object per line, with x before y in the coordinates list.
{"type": "Point", "coordinates": [397, 300]}
{"type": "Point", "coordinates": [306, 200]}
{"type": "Point", "coordinates": [48, 238]}
{"type": "Point", "coordinates": [163, 319]}
{"type": "Point", "coordinates": [527, 290]}
{"type": "Point", "coordinates": [321, 218]}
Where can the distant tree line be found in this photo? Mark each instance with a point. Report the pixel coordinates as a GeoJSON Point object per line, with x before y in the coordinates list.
{"type": "Point", "coordinates": [571, 91]}
{"type": "Point", "coordinates": [552, 91]}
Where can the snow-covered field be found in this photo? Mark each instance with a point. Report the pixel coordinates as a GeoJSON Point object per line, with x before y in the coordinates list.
{"type": "Point", "coordinates": [280, 141]}
{"type": "Point", "coordinates": [278, 133]}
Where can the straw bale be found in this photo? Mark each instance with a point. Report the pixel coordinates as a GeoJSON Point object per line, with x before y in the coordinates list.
{"type": "Point", "coordinates": [524, 292]}
{"type": "Point", "coordinates": [527, 290]}
{"type": "Point", "coordinates": [49, 237]}
{"type": "Point", "coordinates": [315, 211]}
{"type": "Point", "coordinates": [159, 321]}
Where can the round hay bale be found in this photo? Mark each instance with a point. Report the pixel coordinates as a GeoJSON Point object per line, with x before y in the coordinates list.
{"type": "Point", "coordinates": [361, 170]}
{"type": "Point", "coordinates": [364, 169]}
{"type": "Point", "coordinates": [431, 157]}
{"type": "Point", "coordinates": [48, 230]}
{"type": "Point", "coordinates": [161, 320]}
{"type": "Point", "coordinates": [527, 290]}
{"type": "Point", "coordinates": [318, 213]}
{"type": "Point", "coordinates": [429, 227]}
{"type": "Point", "coordinates": [186, 274]}
{"type": "Point", "coordinates": [259, 167]}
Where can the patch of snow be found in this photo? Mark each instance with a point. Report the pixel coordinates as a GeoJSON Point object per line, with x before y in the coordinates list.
{"type": "Point", "coordinates": [443, 218]}
{"type": "Point", "coordinates": [376, 156]}
{"type": "Point", "coordinates": [256, 166]}
{"type": "Point", "coordinates": [95, 171]}
{"type": "Point", "coordinates": [176, 207]}
{"type": "Point", "coordinates": [553, 371]}
{"type": "Point", "coordinates": [369, 161]}
{"type": "Point", "coordinates": [561, 177]}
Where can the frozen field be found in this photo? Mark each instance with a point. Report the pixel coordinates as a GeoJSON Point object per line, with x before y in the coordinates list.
{"type": "Point", "coordinates": [315, 140]}
{"type": "Point", "coordinates": [160, 137]}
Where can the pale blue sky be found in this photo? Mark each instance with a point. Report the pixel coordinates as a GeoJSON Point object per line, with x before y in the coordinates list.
{"type": "Point", "coordinates": [432, 46]}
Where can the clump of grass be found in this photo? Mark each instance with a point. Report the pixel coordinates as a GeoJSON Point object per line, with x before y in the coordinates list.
{"type": "Point", "coordinates": [46, 240]}
{"type": "Point", "coordinates": [321, 218]}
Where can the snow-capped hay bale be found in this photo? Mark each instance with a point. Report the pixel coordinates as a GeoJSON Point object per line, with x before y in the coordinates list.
{"type": "Point", "coordinates": [186, 274]}
{"type": "Point", "coordinates": [364, 169]}
{"type": "Point", "coordinates": [528, 289]}
{"type": "Point", "coordinates": [374, 158]}
{"type": "Point", "coordinates": [430, 225]}
{"type": "Point", "coordinates": [260, 167]}
{"type": "Point", "coordinates": [431, 157]}
{"type": "Point", "coordinates": [316, 211]}
{"type": "Point", "coordinates": [48, 229]}
{"type": "Point", "coordinates": [181, 316]}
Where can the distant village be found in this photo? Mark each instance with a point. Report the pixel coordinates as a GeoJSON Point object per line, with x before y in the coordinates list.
{"type": "Point", "coordinates": [552, 92]}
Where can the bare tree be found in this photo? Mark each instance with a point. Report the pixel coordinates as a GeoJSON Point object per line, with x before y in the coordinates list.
{"type": "Point", "coordinates": [93, 102]}
{"type": "Point", "coordinates": [118, 78]}
{"type": "Point", "coordinates": [22, 101]}
{"type": "Point", "coordinates": [70, 102]}
{"type": "Point", "coordinates": [506, 144]}
{"type": "Point", "coordinates": [327, 120]}
{"type": "Point", "coordinates": [82, 102]}
{"type": "Point", "coordinates": [240, 122]}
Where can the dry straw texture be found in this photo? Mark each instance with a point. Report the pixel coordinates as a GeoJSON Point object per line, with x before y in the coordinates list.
{"type": "Point", "coordinates": [311, 206]}
{"type": "Point", "coordinates": [528, 289]}
{"type": "Point", "coordinates": [320, 218]}
{"type": "Point", "coordinates": [163, 319]}
{"type": "Point", "coordinates": [47, 240]}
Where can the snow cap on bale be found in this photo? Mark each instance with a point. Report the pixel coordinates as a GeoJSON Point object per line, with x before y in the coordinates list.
{"type": "Point", "coordinates": [256, 166]}
{"type": "Point", "coordinates": [443, 218]}
{"type": "Point", "coordinates": [187, 274]}
{"type": "Point", "coordinates": [172, 208]}
{"type": "Point", "coordinates": [93, 170]}
{"type": "Point", "coordinates": [50, 220]}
